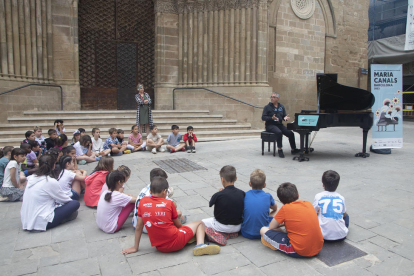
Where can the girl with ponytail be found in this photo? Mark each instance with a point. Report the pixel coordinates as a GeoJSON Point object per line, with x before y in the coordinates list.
{"type": "Point", "coordinates": [114, 206]}
{"type": "Point", "coordinates": [70, 180]}
{"type": "Point", "coordinates": [39, 211]}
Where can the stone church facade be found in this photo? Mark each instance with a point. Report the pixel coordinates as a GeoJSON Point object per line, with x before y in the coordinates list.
{"type": "Point", "coordinates": [100, 50]}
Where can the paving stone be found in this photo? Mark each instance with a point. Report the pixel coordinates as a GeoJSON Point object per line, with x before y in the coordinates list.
{"type": "Point", "coordinates": [405, 250]}
{"type": "Point", "coordinates": [383, 242]}
{"type": "Point", "coordinates": [114, 264]}
{"type": "Point", "coordinates": [345, 269]}
{"type": "Point", "coordinates": [207, 192]}
{"type": "Point", "coordinates": [73, 250]}
{"type": "Point", "coordinates": [105, 247]}
{"type": "Point", "coordinates": [6, 253]}
{"type": "Point", "coordinates": [258, 254]}
{"type": "Point", "coordinates": [394, 232]}
{"type": "Point", "coordinates": [190, 268]}
{"type": "Point", "coordinates": [67, 231]}
{"type": "Point", "coordinates": [290, 266]}
{"type": "Point", "coordinates": [192, 177]}
{"type": "Point", "coordinates": [10, 223]}
{"type": "Point", "coordinates": [192, 202]}
{"type": "Point", "coordinates": [357, 233]}
{"type": "Point", "coordinates": [193, 185]}
{"type": "Point", "coordinates": [144, 245]}
{"type": "Point", "coordinates": [363, 221]}
{"type": "Point", "coordinates": [85, 267]}
{"type": "Point", "coordinates": [247, 270]}
{"type": "Point", "coordinates": [190, 192]}
{"type": "Point", "coordinates": [19, 268]}
{"type": "Point", "coordinates": [145, 263]}
{"type": "Point", "coordinates": [26, 239]}
{"type": "Point", "coordinates": [227, 259]}
{"type": "Point", "coordinates": [395, 265]}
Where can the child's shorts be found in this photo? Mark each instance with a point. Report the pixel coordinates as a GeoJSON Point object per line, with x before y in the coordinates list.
{"type": "Point", "coordinates": [185, 234]}
{"type": "Point", "coordinates": [75, 195]}
{"type": "Point", "coordinates": [213, 223]}
{"type": "Point", "coordinates": [281, 241]}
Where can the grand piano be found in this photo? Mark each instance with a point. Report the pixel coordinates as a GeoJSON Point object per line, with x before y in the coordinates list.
{"type": "Point", "coordinates": [338, 106]}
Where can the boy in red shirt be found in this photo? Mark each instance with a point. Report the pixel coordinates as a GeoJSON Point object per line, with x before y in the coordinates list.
{"type": "Point", "coordinates": [303, 235]}
{"type": "Point", "coordinates": [190, 138]}
{"type": "Point", "coordinates": [165, 230]}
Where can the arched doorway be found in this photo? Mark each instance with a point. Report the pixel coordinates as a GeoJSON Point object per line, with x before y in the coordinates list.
{"type": "Point", "coordinates": [116, 52]}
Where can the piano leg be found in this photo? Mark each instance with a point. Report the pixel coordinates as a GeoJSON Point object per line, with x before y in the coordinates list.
{"type": "Point", "coordinates": [301, 157]}
{"type": "Point", "coordinates": [364, 153]}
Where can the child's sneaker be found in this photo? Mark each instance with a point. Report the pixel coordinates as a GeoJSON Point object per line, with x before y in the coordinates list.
{"type": "Point", "coordinates": [98, 158]}
{"type": "Point", "coordinates": [204, 249]}
{"type": "Point", "coordinates": [154, 151]}
{"type": "Point", "coordinates": [162, 149]}
{"type": "Point", "coordinates": [229, 236]}
{"type": "Point", "coordinates": [214, 236]}
{"type": "Point", "coordinates": [194, 150]}
{"type": "Point", "coordinates": [172, 150]}
{"type": "Point", "coordinates": [82, 162]}
{"type": "Point", "coordinates": [144, 149]}
{"type": "Point", "coordinates": [265, 243]}
{"type": "Point", "coordinates": [189, 150]}
{"type": "Point", "coordinates": [127, 151]}
{"type": "Point", "coordinates": [183, 149]}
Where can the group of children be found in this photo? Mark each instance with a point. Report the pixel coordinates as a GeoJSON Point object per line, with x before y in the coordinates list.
{"type": "Point", "coordinates": [298, 229]}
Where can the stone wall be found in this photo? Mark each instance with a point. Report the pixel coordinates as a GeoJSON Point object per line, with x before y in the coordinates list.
{"type": "Point", "coordinates": [45, 52]}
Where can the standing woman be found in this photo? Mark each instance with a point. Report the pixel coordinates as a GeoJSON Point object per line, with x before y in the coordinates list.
{"type": "Point", "coordinates": [144, 114]}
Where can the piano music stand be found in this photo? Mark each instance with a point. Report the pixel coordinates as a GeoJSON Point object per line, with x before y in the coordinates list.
{"type": "Point", "coordinates": [269, 137]}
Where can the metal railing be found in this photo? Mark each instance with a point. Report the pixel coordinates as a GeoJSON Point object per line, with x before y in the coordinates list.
{"type": "Point", "coordinates": [202, 88]}
{"type": "Point", "coordinates": [38, 84]}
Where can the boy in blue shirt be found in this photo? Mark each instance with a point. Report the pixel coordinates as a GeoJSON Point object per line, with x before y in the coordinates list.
{"type": "Point", "coordinates": [173, 140]}
{"type": "Point", "coordinates": [113, 144]}
{"type": "Point", "coordinates": [256, 206]}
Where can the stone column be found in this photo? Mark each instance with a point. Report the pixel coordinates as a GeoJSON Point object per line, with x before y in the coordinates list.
{"type": "Point", "coordinates": [39, 39]}
{"type": "Point", "coordinates": [253, 53]}
{"type": "Point", "coordinates": [180, 47]}
{"type": "Point", "coordinates": [221, 47]}
{"type": "Point", "coordinates": [185, 48]}
{"type": "Point", "coordinates": [248, 43]}
{"type": "Point", "coordinates": [22, 40]}
{"type": "Point", "coordinates": [190, 48]}
{"type": "Point", "coordinates": [44, 40]}
{"type": "Point", "coordinates": [216, 45]}
{"type": "Point", "coordinates": [16, 39]}
{"type": "Point", "coordinates": [200, 33]}
{"type": "Point", "coordinates": [49, 41]}
{"type": "Point", "coordinates": [226, 45]}
{"type": "Point", "coordinates": [237, 45]}
{"type": "Point", "coordinates": [3, 39]}
{"type": "Point", "coordinates": [28, 42]}
{"type": "Point", "coordinates": [33, 36]}
{"type": "Point", "coordinates": [242, 45]}
{"type": "Point", "coordinates": [195, 46]}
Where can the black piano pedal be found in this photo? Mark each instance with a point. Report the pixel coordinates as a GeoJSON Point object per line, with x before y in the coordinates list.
{"type": "Point", "coordinates": [301, 158]}
{"type": "Point", "coordinates": [309, 150]}
{"type": "Point", "coordinates": [362, 154]}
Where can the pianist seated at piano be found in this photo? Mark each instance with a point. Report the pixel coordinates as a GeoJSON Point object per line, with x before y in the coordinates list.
{"type": "Point", "coordinates": [274, 114]}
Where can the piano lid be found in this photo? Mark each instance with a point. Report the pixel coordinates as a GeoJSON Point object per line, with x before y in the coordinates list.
{"type": "Point", "coordinates": [333, 96]}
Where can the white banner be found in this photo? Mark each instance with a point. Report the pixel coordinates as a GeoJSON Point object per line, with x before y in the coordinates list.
{"type": "Point", "coordinates": [409, 33]}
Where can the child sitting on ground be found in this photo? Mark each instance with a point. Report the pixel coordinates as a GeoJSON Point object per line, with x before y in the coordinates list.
{"type": "Point", "coordinates": [256, 206]}
{"type": "Point", "coordinates": [154, 140]}
{"type": "Point", "coordinates": [40, 138]}
{"type": "Point", "coordinates": [96, 180]}
{"type": "Point", "coordinates": [114, 206]}
{"type": "Point", "coordinates": [5, 155]}
{"type": "Point", "coordinates": [165, 230]}
{"type": "Point", "coordinates": [121, 140]}
{"type": "Point", "coordinates": [59, 127]}
{"type": "Point", "coordinates": [331, 209]}
{"type": "Point", "coordinates": [70, 181]}
{"type": "Point", "coordinates": [32, 160]}
{"type": "Point", "coordinates": [303, 236]}
{"type": "Point", "coordinates": [135, 139]}
{"type": "Point", "coordinates": [97, 144]}
{"type": "Point", "coordinates": [113, 144]}
{"type": "Point", "coordinates": [157, 172]}
{"type": "Point", "coordinates": [228, 209]}
{"type": "Point", "coordinates": [71, 151]}
{"type": "Point", "coordinates": [190, 138]}
{"type": "Point", "coordinates": [14, 182]}
{"type": "Point", "coordinates": [61, 141]}
{"type": "Point", "coordinates": [123, 169]}
{"type": "Point", "coordinates": [82, 131]}
{"type": "Point", "coordinates": [50, 142]}
{"type": "Point", "coordinates": [76, 137]}
{"type": "Point", "coordinates": [84, 150]}
{"type": "Point", "coordinates": [173, 140]}
{"type": "Point", "coordinates": [30, 136]}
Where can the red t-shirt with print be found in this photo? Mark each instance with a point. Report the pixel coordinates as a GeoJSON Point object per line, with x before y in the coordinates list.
{"type": "Point", "coordinates": [158, 214]}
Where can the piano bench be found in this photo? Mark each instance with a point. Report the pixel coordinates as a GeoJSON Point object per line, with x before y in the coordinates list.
{"type": "Point", "coordinates": [268, 137]}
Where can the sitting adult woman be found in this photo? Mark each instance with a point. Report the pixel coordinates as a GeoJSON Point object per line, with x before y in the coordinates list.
{"type": "Point", "coordinates": [39, 211]}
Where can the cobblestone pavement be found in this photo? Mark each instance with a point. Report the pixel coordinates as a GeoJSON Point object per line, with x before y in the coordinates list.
{"type": "Point", "coordinates": [378, 191]}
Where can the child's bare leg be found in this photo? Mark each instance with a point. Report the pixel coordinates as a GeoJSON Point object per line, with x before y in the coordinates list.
{"type": "Point", "coordinates": [115, 150]}
{"type": "Point", "coordinates": [86, 158]}
{"type": "Point", "coordinates": [76, 186]}
{"type": "Point", "coordinates": [22, 180]}
{"type": "Point", "coordinates": [160, 142]}
{"type": "Point", "coordinates": [123, 148]}
{"type": "Point", "coordinates": [105, 152]}
{"type": "Point", "coordinates": [169, 147]}
{"type": "Point", "coordinates": [273, 214]}
{"type": "Point", "coordinates": [198, 229]}
{"type": "Point", "coordinates": [187, 144]}
{"type": "Point", "coordinates": [192, 143]}
{"type": "Point", "coordinates": [180, 146]}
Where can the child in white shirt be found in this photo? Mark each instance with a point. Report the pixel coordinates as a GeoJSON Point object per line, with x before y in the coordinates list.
{"type": "Point", "coordinates": [331, 209]}
{"type": "Point", "coordinates": [70, 180]}
{"type": "Point", "coordinates": [13, 182]}
{"type": "Point", "coordinates": [84, 150]}
{"type": "Point", "coordinates": [97, 144]}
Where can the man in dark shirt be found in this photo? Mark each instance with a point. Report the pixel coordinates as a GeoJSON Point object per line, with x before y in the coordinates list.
{"type": "Point", "coordinates": [274, 114]}
{"type": "Point", "coordinates": [228, 209]}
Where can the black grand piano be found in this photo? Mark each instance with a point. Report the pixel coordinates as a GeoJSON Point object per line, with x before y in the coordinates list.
{"type": "Point", "coordinates": [338, 106]}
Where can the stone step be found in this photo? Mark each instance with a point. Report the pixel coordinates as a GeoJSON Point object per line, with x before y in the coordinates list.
{"type": "Point", "coordinates": [162, 128]}
{"type": "Point", "coordinates": [98, 113]}
{"type": "Point", "coordinates": [203, 135]}
{"type": "Point", "coordinates": [107, 118]}
{"type": "Point", "coordinates": [105, 125]}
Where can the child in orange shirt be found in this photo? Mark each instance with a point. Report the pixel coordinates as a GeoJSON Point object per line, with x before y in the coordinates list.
{"type": "Point", "coordinates": [303, 235]}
